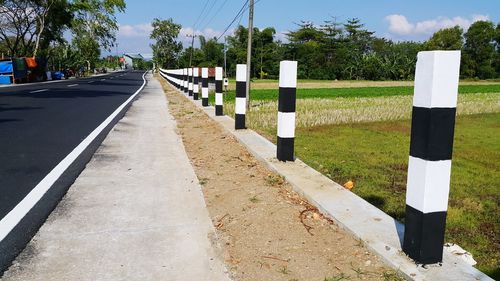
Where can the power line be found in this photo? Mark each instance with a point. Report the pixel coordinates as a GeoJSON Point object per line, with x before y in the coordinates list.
{"type": "Point", "coordinates": [199, 16]}
{"type": "Point", "coordinates": [216, 13]}
{"type": "Point", "coordinates": [208, 12]}
{"type": "Point", "coordinates": [234, 19]}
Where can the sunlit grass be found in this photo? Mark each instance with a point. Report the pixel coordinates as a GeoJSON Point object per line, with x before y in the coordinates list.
{"type": "Point", "coordinates": [318, 112]}
{"type": "Point", "coordinates": [353, 135]}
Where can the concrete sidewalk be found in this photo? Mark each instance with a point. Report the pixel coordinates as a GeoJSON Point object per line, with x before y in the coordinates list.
{"type": "Point", "coordinates": [136, 212]}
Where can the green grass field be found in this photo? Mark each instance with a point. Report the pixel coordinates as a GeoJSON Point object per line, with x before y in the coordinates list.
{"type": "Point", "coordinates": [362, 134]}
{"type": "Point", "coordinates": [272, 94]}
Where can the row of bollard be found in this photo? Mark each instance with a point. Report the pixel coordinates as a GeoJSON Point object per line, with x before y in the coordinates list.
{"type": "Point", "coordinates": [431, 141]}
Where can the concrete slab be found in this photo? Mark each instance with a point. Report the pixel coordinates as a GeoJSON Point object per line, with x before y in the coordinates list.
{"type": "Point", "coordinates": [136, 212]}
{"type": "Point", "coordinates": [376, 229]}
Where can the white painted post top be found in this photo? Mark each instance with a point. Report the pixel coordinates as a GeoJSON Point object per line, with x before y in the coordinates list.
{"type": "Point", "coordinates": [190, 71]}
{"type": "Point", "coordinates": [288, 74]}
{"type": "Point", "coordinates": [241, 72]}
{"type": "Point", "coordinates": [436, 79]}
{"type": "Point", "coordinates": [218, 73]}
{"type": "Point", "coordinates": [204, 72]}
{"type": "Point", "coordinates": [196, 72]}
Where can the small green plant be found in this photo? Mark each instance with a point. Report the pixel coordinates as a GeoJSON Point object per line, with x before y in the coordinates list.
{"type": "Point", "coordinates": [273, 179]}
{"type": "Point", "coordinates": [341, 276]}
{"type": "Point", "coordinates": [284, 270]}
{"type": "Point", "coordinates": [392, 276]}
{"type": "Point", "coordinates": [254, 199]}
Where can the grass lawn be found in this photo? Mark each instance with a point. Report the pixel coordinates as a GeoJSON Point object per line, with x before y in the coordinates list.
{"type": "Point", "coordinates": [362, 134]}
{"type": "Point", "coordinates": [272, 94]}
{"type": "Point", "coordinates": [375, 156]}
{"type": "Point", "coordinates": [317, 84]}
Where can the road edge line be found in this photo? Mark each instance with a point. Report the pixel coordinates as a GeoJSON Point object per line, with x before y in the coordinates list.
{"type": "Point", "coordinates": [10, 221]}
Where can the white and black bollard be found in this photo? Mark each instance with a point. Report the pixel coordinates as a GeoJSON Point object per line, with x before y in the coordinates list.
{"type": "Point", "coordinates": [190, 81]}
{"type": "Point", "coordinates": [431, 144]}
{"type": "Point", "coordinates": [185, 81]}
{"type": "Point", "coordinates": [204, 86]}
{"type": "Point", "coordinates": [182, 80]}
{"type": "Point", "coordinates": [241, 100]}
{"type": "Point", "coordinates": [219, 111]}
{"type": "Point", "coordinates": [286, 110]}
{"type": "Point", "coordinates": [196, 83]}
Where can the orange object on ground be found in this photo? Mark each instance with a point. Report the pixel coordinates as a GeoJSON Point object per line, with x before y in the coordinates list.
{"type": "Point", "coordinates": [349, 185]}
{"type": "Point", "coordinates": [31, 62]}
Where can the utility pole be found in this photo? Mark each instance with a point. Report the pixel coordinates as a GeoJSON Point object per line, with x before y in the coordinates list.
{"type": "Point", "coordinates": [249, 51]}
{"type": "Point", "coordinates": [225, 60]}
{"type": "Point", "coordinates": [192, 44]}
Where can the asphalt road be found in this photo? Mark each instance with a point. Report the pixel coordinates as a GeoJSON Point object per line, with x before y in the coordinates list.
{"type": "Point", "coordinates": [40, 124]}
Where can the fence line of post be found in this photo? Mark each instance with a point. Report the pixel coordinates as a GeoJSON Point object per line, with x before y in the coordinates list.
{"type": "Point", "coordinates": [431, 141]}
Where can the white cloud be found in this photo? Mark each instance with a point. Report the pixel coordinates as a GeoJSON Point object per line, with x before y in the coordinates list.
{"type": "Point", "coordinates": [399, 24]}
{"type": "Point", "coordinates": [137, 30]}
{"type": "Point", "coordinates": [281, 36]}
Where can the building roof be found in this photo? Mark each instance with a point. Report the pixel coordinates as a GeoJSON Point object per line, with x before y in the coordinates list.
{"type": "Point", "coordinates": [134, 55]}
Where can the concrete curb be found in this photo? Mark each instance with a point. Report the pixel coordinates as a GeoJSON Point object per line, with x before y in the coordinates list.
{"type": "Point", "coordinates": [379, 231]}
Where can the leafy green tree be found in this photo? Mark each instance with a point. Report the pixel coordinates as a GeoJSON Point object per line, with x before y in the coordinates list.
{"type": "Point", "coordinates": [166, 49]}
{"type": "Point", "coordinates": [497, 47]}
{"type": "Point", "coordinates": [212, 52]}
{"type": "Point", "coordinates": [479, 50]}
{"type": "Point", "coordinates": [94, 27]}
{"type": "Point", "coordinates": [446, 39]}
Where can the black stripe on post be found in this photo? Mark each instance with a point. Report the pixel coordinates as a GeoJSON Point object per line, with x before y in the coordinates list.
{"type": "Point", "coordinates": [424, 235]}
{"type": "Point", "coordinates": [239, 120]}
{"type": "Point", "coordinates": [285, 149]}
{"type": "Point", "coordinates": [432, 132]}
{"type": "Point", "coordinates": [218, 86]}
{"type": "Point", "coordinates": [287, 99]}
{"type": "Point", "coordinates": [219, 110]}
{"type": "Point", "coordinates": [241, 89]}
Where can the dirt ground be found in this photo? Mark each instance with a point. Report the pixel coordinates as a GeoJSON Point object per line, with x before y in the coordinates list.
{"type": "Point", "coordinates": [266, 231]}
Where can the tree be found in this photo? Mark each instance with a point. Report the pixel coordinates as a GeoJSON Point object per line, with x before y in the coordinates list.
{"type": "Point", "coordinates": [18, 26]}
{"type": "Point", "coordinates": [446, 39]}
{"type": "Point", "coordinates": [479, 50]}
{"type": "Point", "coordinates": [94, 26]}
{"type": "Point", "coordinates": [212, 52]}
{"type": "Point", "coordinates": [26, 26]}
{"type": "Point", "coordinates": [166, 49]}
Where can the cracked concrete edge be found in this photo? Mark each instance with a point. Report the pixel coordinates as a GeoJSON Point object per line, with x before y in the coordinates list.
{"type": "Point", "coordinates": [378, 231]}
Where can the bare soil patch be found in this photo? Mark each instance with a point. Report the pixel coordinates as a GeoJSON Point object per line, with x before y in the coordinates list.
{"type": "Point", "coordinates": [267, 231]}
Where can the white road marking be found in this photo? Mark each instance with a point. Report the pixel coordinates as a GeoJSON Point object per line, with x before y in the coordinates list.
{"type": "Point", "coordinates": [90, 82]}
{"type": "Point", "coordinates": [39, 91]}
{"type": "Point", "coordinates": [72, 85]}
{"type": "Point", "coordinates": [22, 208]}
{"type": "Point", "coordinates": [103, 79]}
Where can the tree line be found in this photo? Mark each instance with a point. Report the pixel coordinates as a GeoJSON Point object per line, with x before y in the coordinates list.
{"type": "Point", "coordinates": [332, 50]}
{"type": "Point", "coordinates": [31, 28]}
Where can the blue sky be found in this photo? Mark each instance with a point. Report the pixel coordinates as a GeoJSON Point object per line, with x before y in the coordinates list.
{"type": "Point", "coordinates": [393, 19]}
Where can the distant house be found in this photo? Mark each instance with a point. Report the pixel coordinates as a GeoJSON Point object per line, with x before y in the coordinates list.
{"type": "Point", "coordinates": [129, 59]}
